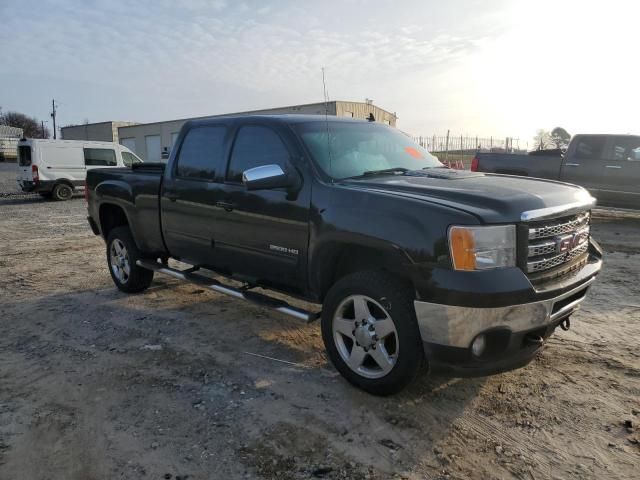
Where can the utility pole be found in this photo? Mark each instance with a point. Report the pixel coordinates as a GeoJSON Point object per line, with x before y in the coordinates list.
{"type": "Point", "coordinates": [53, 115]}
{"type": "Point", "coordinates": [42, 125]}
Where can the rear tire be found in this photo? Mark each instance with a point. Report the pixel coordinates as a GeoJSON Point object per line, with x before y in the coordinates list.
{"type": "Point", "coordinates": [371, 333]}
{"type": "Point", "coordinates": [122, 255]}
{"type": "Point", "coordinates": [62, 192]}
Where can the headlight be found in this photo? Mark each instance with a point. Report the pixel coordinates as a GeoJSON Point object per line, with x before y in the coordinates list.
{"type": "Point", "coordinates": [482, 248]}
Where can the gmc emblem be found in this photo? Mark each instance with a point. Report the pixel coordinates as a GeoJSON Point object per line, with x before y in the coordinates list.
{"type": "Point", "coordinates": [569, 242]}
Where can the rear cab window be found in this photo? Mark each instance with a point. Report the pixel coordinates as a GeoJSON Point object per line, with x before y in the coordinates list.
{"type": "Point", "coordinates": [201, 154]}
{"type": "Point", "coordinates": [255, 146]}
{"type": "Point", "coordinates": [590, 147]}
{"type": "Point", "coordinates": [100, 157]}
{"type": "Point", "coordinates": [24, 155]}
{"type": "Point", "coordinates": [129, 159]}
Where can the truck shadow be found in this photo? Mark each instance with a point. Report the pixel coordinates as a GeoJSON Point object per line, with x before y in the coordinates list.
{"type": "Point", "coordinates": [23, 199]}
{"type": "Point", "coordinates": [183, 345]}
{"type": "Point", "coordinates": [19, 199]}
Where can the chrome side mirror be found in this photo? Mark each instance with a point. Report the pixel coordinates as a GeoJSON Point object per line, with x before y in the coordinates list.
{"type": "Point", "coordinates": [265, 177]}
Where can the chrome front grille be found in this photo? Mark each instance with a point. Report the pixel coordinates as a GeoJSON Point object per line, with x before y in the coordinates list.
{"type": "Point", "coordinates": [560, 227]}
{"type": "Point", "coordinates": [556, 242]}
{"type": "Point", "coordinates": [554, 261]}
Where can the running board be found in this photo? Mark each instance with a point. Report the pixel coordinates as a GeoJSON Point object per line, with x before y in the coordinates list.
{"type": "Point", "coordinates": [212, 284]}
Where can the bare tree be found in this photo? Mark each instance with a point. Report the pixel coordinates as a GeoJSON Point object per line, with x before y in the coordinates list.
{"type": "Point", "coordinates": [30, 126]}
{"type": "Point", "coordinates": [542, 140]}
{"type": "Point", "coordinates": [560, 137]}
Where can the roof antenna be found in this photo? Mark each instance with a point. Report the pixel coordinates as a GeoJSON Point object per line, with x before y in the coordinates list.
{"type": "Point", "coordinates": [326, 120]}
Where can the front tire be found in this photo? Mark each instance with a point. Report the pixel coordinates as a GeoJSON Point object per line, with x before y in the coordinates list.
{"type": "Point", "coordinates": [122, 255]}
{"type": "Point", "coordinates": [370, 332]}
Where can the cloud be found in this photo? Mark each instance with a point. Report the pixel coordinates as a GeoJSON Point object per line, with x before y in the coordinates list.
{"type": "Point", "coordinates": [228, 55]}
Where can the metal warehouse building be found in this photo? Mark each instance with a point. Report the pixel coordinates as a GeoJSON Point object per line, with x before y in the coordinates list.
{"type": "Point", "coordinates": [153, 141]}
{"type": "Point", "coordinates": [9, 137]}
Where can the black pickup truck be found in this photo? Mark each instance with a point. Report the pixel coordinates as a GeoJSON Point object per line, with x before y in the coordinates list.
{"type": "Point", "coordinates": [607, 165]}
{"type": "Point", "coordinates": [415, 265]}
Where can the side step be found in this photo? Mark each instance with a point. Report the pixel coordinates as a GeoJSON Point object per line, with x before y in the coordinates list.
{"type": "Point", "coordinates": [212, 284]}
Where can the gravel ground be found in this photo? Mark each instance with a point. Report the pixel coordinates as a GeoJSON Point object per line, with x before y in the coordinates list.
{"type": "Point", "coordinates": [97, 384]}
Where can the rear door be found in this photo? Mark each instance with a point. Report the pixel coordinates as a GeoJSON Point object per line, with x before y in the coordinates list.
{"type": "Point", "coordinates": [191, 188]}
{"type": "Point", "coordinates": [620, 172]}
{"type": "Point", "coordinates": [584, 161]}
{"type": "Point", "coordinates": [263, 234]}
{"type": "Point", "coordinates": [25, 162]}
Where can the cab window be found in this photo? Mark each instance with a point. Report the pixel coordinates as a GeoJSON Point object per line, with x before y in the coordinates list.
{"type": "Point", "coordinates": [255, 146]}
{"type": "Point", "coordinates": [129, 159]}
{"type": "Point", "coordinates": [626, 149]}
{"type": "Point", "coordinates": [590, 147]}
{"type": "Point", "coordinates": [100, 157]}
{"type": "Point", "coordinates": [201, 154]}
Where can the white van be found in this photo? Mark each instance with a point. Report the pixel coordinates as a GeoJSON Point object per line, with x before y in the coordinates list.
{"type": "Point", "coordinates": [58, 168]}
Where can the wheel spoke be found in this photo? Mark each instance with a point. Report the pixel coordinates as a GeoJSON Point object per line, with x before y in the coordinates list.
{"type": "Point", "coordinates": [360, 308]}
{"type": "Point", "coordinates": [126, 268]}
{"type": "Point", "coordinates": [344, 326]}
{"type": "Point", "coordinates": [384, 327]}
{"type": "Point", "coordinates": [116, 247]}
{"type": "Point", "coordinates": [357, 357]}
{"type": "Point", "coordinates": [382, 358]}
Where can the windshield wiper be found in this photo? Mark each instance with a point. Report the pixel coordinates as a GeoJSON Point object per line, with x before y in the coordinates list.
{"type": "Point", "coordinates": [383, 171]}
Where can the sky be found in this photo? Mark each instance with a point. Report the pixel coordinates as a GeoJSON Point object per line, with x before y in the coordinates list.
{"type": "Point", "coordinates": [475, 67]}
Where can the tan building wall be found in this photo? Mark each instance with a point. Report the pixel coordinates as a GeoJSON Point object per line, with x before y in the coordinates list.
{"type": "Point", "coordinates": [103, 131]}
{"type": "Point", "coordinates": [363, 110]}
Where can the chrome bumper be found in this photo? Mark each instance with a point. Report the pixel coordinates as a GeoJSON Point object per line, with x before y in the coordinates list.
{"type": "Point", "coordinates": [457, 326]}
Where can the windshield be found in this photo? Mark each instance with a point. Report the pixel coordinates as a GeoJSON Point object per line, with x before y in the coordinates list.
{"type": "Point", "coordinates": [355, 148]}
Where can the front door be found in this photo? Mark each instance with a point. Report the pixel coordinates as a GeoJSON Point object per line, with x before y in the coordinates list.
{"type": "Point", "coordinates": [263, 234]}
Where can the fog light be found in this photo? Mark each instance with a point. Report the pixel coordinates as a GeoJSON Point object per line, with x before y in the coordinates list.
{"type": "Point", "coordinates": [478, 346]}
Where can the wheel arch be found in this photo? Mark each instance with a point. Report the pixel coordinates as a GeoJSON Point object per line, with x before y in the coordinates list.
{"type": "Point", "coordinates": [65, 181]}
{"type": "Point", "coordinates": [337, 259]}
{"type": "Point", "coordinates": [111, 216]}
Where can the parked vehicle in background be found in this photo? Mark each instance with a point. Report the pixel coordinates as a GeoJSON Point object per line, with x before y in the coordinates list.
{"type": "Point", "coordinates": [606, 165]}
{"type": "Point", "coordinates": [58, 168]}
{"type": "Point", "coordinates": [414, 264]}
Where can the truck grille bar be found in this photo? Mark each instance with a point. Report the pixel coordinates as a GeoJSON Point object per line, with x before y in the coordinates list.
{"type": "Point", "coordinates": [558, 228]}
{"type": "Point", "coordinates": [553, 243]}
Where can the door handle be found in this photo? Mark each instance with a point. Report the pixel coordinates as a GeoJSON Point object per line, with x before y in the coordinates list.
{"type": "Point", "coordinates": [571, 164]}
{"type": "Point", "coordinates": [171, 196]}
{"type": "Point", "coordinates": [228, 207]}
{"type": "Point", "coordinates": [613, 166]}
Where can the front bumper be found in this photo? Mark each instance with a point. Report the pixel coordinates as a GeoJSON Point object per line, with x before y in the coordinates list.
{"type": "Point", "coordinates": [448, 331]}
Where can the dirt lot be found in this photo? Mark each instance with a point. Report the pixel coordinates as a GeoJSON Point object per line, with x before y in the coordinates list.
{"type": "Point", "coordinates": [95, 384]}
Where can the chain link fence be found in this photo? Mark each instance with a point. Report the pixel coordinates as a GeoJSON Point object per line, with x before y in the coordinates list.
{"type": "Point", "coordinates": [457, 151]}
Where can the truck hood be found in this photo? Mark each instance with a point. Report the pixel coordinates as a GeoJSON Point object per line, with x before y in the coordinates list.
{"type": "Point", "coordinates": [492, 198]}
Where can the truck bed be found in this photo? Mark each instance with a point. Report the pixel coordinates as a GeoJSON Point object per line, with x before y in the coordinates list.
{"type": "Point", "coordinates": [137, 191]}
